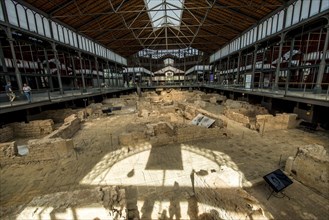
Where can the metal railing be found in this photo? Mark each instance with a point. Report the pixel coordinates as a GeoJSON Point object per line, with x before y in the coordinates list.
{"type": "Point", "coordinates": [295, 89]}
{"type": "Point", "coordinates": [46, 95]}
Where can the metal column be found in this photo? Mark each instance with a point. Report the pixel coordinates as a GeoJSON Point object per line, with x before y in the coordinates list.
{"type": "Point", "coordinates": [75, 83]}
{"type": "Point", "coordinates": [289, 65]}
{"type": "Point", "coordinates": [53, 45]}
{"type": "Point", "coordinates": [17, 73]}
{"type": "Point", "coordinates": [277, 71]}
{"type": "Point", "coordinates": [49, 74]}
{"type": "Point", "coordinates": [81, 72]}
{"type": "Point", "coordinates": [254, 67]}
{"type": "Point", "coordinates": [322, 67]}
{"type": "Point", "coordinates": [97, 72]}
{"type": "Point", "coordinates": [238, 70]}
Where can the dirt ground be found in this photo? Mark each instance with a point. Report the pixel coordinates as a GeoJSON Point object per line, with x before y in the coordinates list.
{"type": "Point", "coordinates": [253, 154]}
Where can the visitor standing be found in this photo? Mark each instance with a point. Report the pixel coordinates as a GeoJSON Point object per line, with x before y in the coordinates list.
{"type": "Point", "coordinates": [9, 92]}
{"type": "Point", "coordinates": [27, 92]}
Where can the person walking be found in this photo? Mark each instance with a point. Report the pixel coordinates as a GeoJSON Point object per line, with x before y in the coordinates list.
{"type": "Point", "coordinates": [27, 92]}
{"type": "Point", "coordinates": [9, 92]}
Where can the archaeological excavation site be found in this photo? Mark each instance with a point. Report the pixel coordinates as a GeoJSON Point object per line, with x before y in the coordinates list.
{"type": "Point", "coordinates": [163, 154]}
{"type": "Point", "coordinates": [164, 110]}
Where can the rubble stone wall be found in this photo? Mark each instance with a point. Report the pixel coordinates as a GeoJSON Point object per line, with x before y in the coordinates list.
{"type": "Point", "coordinates": [34, 129]}
{"type": "Point", "coordinates": [236, 116]}
{"type": "Point", "coordinates": [39, 150]}
{"type": "Point", "coordinates": [8, 150]}
{"type": "Point", "coordinates": [278, 122]}
{"type": "Point", "coordinates": [6, 134]}
{"type": "Point", "coordinates": [71, 125]}
{"type": "Point", "coordinates": [193, 132]}
{"type": "Point", "coordinates": [132, 138]}
{"type": "Point", "coordinates": [311, 167]}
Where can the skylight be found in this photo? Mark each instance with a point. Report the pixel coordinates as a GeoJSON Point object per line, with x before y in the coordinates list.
{"type": "Point", "coordinates": [165, 13]}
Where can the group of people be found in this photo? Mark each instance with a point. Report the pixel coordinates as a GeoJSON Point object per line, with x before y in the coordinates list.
{"type": "Point", "coordinates": [11, 95]}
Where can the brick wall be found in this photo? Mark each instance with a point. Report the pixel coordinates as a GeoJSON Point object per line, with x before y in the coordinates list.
{"type": "Point", "coordinates": [70, 126]}
{"type": "Point", "coordinates": [39, 150]}
{"type": "Point", "coordinates": [33, 129]}
{"type": "Point", "coordinates": [278, 122]}
{"type": "Point", "coordinates": [310, 165]}
{"type": "Point", "coordinates": [6, 134]}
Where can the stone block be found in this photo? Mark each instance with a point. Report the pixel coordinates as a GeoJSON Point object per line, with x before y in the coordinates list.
{"type": "Point", "coordinates": [310, 166]}
{"type": "Point", "coordinates": [8, 150]}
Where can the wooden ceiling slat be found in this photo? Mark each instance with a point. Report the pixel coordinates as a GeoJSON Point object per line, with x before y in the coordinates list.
{"type": "Point", "coordinates": [98, 20]}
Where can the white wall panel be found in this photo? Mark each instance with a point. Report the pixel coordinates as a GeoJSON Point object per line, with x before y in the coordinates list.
{"type": "Point", "coordinates": [280, 20]}
{"type": "Point", "coordinates": [289, 15]}
{"type": "Point", "coordinates": [60, 33]}
{"type": "Point", "coordinates": [71, 38]}
{"type": "Point", "coordinates": [11, 11]}
{"type": "Point", "coordinates": [31, 20]}
{"type": "Point", "coordinates": [66, 37]}
{"type": "Point", "coordinates": [47, 27]}
{"type": "Point", "coordinates": [297, 9]}
{"type": "Point", "coordinates": [269, 27]}
{"type": "Point", "coordinates": [325, 5]}
{"type": "Point", "coordinates": [2, 17]}
{"type": "Point", "coordinates": [55, 31]}
{"type": "Point", "coordinates": [260, 29]}
{"type": "Point", "coordinates": [22, 17]}
{"type": "Point", "coordinates": [305, 9]}
{"type": "Point", "coordinates": [315, 6]}
{"type": "Point", "coordinates": [74, 35]}
{"type": "Point", "coordinates": [38, 19]}
{"type": "Point", "coordinates": [264, 29]}
{"type": "Point", "coordinates": [255, 34]}
{"type": "Point", "coordinates": [274, 24]}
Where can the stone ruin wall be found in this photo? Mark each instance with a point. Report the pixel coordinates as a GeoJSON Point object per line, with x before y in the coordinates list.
{"type": "Point", "coordinates": [257, 118]}
{"type": "Point", "coordinates": [54, 146]}
{"type": "Point", "coordinates": [70, 126]}
{"type": "Point", "coordinates": [32, 129]}
{"type": "Point", "coordinates": [6, 134]}
{"type": "Point", "coordinates": [39, 150]}
{"type": "Point", "coordinates": [310, 166]}
{"type": "Point", "coordinates": [279, 122]}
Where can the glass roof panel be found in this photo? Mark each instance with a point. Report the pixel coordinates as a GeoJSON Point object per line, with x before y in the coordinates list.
{"type": "Point", "coordinates": [164, 13]}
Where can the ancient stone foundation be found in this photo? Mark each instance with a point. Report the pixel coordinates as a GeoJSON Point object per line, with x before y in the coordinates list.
{"type": "Point", "coordinates": [38, 150]}
{"type": "Point", "coordinates": [54, 146]}
{"type": "Point", "coordinates": [70, 126]}
{"type": "Point", "coordinates": [278, 122]}
{"type": "Point", "coordinates": [6, 134]}
{"type": "Point", "coordinates": [310, 166]}
{"type": "Point", "coordinates": [32, 129]}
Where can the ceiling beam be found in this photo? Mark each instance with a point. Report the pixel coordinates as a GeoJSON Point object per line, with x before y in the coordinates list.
{"type": "Point", "coordinates": [237, 11]}
{"type": "Point", "coordinates": [60, 7]}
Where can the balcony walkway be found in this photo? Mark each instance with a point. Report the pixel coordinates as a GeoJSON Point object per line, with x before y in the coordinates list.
{"type": "Point", "coordinates": [40, 98]}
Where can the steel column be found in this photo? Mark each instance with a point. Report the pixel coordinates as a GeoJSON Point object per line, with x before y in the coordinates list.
{"type": "Point", "coordinates": [49, 74]}
{"type": "Point", "coordinates": [17, 73]}
{"type": "Point", "coordinates": [254, 67]}
{"type": "Point", "coordinates": [61, 91]}
{"type": "Point", "coordinates": [81, 72]}
{"type": "Point", "coordinates": [277, 71]}
{"type": "Point", "coordinates": [322, 67]}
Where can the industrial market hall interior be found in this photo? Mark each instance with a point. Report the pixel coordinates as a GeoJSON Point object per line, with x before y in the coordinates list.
{"type": "Point", "coordinates": [164, 109]}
